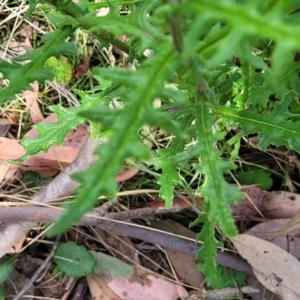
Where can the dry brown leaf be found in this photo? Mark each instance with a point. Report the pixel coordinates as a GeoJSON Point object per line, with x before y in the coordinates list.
{"type": "Point", "coordinates": [32, 103]}
{"type": "Point", "coordinates": [276, 269]}
{"type": "Point", "coordinates": [273, 284]}
{"type": "Point", "coordinates": [8, 171]}
{"type": "Point", "coordinates": [244, 208]}
{"type": "Point", "coordinates": [15, 284]}
{"type": "Point", "coordinates": [282, 205]}
{"type": "Point", "coordinates": [5, 125]}
{"type": "Point", "coordinates": [293, 224]}
{"type": "Point", "coordinates": [275, 205]}
{"type": "Point", "coordinates": [184, 265]}
{"type": "Point", "coordinates": [30, 96]}
{"type": "Point", "coordinates": [62, 185]}
{"type": "Point", "coordinates": [270, 231]}
{"type": "Point", "coordinates": [114, 287]}
{"type": "Point", "coordinates": [46, 164]}
{"type": "Point", "coordinates": [99, 289]}
{"type": "Point", "coordinates": [149, 287]}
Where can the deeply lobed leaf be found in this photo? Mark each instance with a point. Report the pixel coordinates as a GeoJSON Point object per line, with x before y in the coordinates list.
{"type": "Point", "coordinates": [20, 76]}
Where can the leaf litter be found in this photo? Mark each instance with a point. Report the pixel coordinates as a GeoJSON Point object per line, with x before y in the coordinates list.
{"type": "Point", "coordinates": [269, 262]}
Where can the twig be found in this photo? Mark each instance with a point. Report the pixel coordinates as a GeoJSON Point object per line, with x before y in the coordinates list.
{"type": "Point", "coordinates": [164, 239]}
{"type": "Point", "coordinates": [186, 200]}
{"type": "Point", "coordinates": [38, 271]}
{"type": "Point", "coordinates": [222, 293]}
{"type": "Point", "coordinates": [51, 214]}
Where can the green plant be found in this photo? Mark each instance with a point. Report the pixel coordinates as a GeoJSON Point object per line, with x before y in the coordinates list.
{"type": "Point", "coordinates": [214, 64]}
{"type": "Point", "coordinates": [74, 260]}
{"type": "Point", "coordinates": [7, 267]}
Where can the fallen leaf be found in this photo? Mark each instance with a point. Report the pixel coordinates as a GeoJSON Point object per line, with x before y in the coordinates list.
{"type": "Point", "coordinates": [99, 289]}
{"type": "Point", "coordinates": [5, 125]}
{"type": "Point", "coordinates": [184, 265]}
{"type": "Point", "coordinates": [15, 284]}
{"type": "Point", "coordinates": [61, 186]}
{"type": "Point", "coordinates": [245, 207]}
{"type": "Point", "coordinates": [275, 205]}
{"type": "Point", "coordinates": [122, 280]}
{"type": "Point", "coordinates": [32, 103]}
{"type": "Point", "coordinates": [292, 224]}
{"type": "Point", "coordinates": [282, 205]}
{"type": "Point", "coordinates": [275, 268]}
{"type": "Point", "coordinates": [270, 231]}
{"type": "Point", "coordinates": [8, 171]}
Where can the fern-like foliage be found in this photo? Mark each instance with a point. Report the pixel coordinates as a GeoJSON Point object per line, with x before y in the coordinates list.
{"type": "Point", "coordinates": [20, 76]}
{"type": "Point", "coordinates": [68, 119]}
{"type": "Point", "coordinates": [124, 125]}
{"type": "Point", "coordinates": [275, 128]}
{"type": "Point", "coordinates": [210, 60]}
{"type": "Point", "coordinates": [51, 134]}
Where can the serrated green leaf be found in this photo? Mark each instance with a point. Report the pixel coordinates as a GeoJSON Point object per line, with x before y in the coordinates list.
{"type": "Point", "coordinates": [208, 250]}
{"type": "Point", "coordinates": [74, 260]}
{"type": "Point", "coordinates": [259, 177]}
{"type": "Point", "coordinates": [215, 186]}
{"type": "Point", "coordinates": [265, 25]}
{"type": "Point", "coordinates": [226, 278]}
{"type": "Point", "coordinates": [20, 76]}
{"type": "Point", "coordinates": [124, 141]}
{"type": "Point", "coordinates": [134, 24]}
{"type": "Point", "coordinates": [52, 133]}
{"type": "Point", "coordinates": [169, 177]}
{"type": "Point", "coordinates": [275, 128]}
{"type": "Point", "coordinates": [164, 160]}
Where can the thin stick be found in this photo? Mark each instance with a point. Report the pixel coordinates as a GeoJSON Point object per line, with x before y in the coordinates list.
{"type": "Point", "coordinates": [38, 271]}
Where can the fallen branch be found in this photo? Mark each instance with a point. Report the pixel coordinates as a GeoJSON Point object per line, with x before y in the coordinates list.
{"type": "Point", "coordinates": [112, 222]}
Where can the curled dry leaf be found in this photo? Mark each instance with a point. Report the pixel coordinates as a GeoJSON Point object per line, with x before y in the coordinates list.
{"type": "Point", "coordinates": [275, 268]}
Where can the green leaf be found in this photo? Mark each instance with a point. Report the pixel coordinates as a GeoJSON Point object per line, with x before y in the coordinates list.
{"type": "Point", "coordinates": [274, 128]}
{"type": "Point", "coordinates": [2, 297]}
{"type": "Point", "coordinates": [62, 68]}
{"type": "Point", "coordinates": [34, 178]}
{"type": "Point", "coordinates": [255, 176]}
{"type": "Point", "coordinates": [169, 177]}
{"type": "Point", "coordinates": [20, 76]}
{"type": "Point", "coordinates": [52, 133]}
{"type": "Point", "coordinates": [124, 141]}
{"type": "Point", "coordinates": [226, 279]}
{"type": "Point", "coordinates": [74, 260]}
{"type": "Point", "coordinates": [208, 250]}
{"type": "Point", "coordinates": [214, 186]}
{"type": "Point", "coordinates": [7, 266]}
{"type": "Point", "coordinates": [164, 160]}
{"type": "Point", "coordinates": [111, 266]}
{"type": "Point", "coordinates": [135, 24]}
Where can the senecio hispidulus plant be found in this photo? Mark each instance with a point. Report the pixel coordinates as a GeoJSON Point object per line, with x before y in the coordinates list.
{"type": "Point", "coordinates": [195, 45]}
